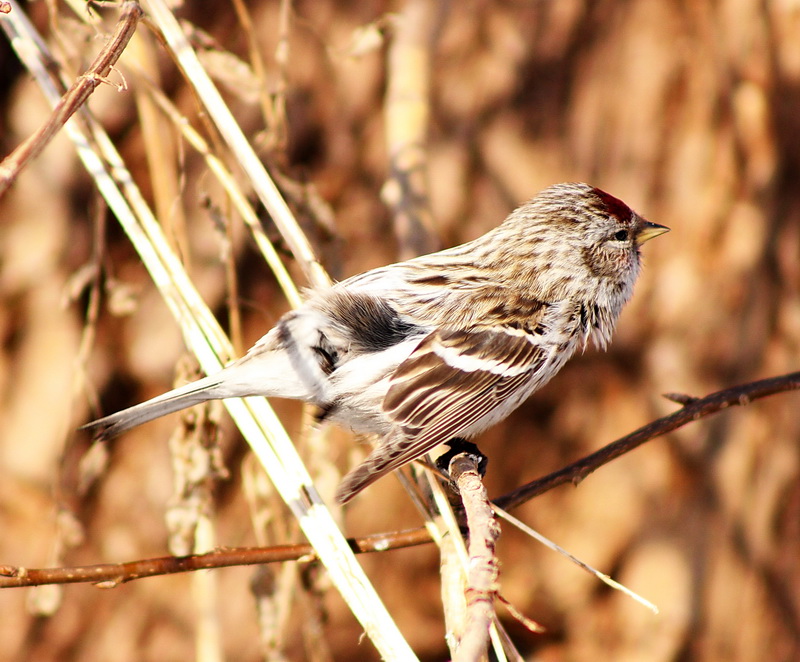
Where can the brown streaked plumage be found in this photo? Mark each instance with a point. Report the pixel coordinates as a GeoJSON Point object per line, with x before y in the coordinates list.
{"type": "Point", "coordinates": [446, 344]}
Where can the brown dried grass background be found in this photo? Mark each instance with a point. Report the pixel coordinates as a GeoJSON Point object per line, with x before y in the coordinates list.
{"type": "Point", "coordinates": [688, 111]}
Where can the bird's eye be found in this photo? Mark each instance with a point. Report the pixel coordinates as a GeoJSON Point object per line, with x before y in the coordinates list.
{"type": "Point", "coordinates": [621, 235]}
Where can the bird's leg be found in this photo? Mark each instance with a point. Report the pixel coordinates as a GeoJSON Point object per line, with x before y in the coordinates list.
{"type": "Point", "coordinates": [459, 445]}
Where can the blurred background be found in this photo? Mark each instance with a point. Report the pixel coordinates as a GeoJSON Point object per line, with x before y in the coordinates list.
{"type": "Point", "coordinates": [690, 112]}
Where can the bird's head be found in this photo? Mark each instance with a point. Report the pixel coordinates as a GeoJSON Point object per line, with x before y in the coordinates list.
{"type": "Point", "coordinates": [582, 240]}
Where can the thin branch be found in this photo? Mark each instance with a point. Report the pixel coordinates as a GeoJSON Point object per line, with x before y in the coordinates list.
{"type": "Point", "coordinates": [694, 409]}
{"type": "Point", "coordinates": [113, 574]}
{"type": "Point", "coordinates": [109, 575]}
{"type": "Point", "coordinates": [74, 98]}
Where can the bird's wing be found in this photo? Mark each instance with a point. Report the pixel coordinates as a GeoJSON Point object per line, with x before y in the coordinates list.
{"type": "Point", "coordinates": [452, 380]}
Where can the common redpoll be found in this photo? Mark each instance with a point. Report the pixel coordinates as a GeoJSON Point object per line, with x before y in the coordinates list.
{"type": "Point", "coordinates": [443, 345]}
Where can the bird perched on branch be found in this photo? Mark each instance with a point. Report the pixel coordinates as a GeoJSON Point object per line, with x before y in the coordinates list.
{"type": "Point", "coordinates": [443, 345]}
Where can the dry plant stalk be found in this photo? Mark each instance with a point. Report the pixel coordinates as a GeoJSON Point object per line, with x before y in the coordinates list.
{"type": "Point", "coordinates": [407, 111]}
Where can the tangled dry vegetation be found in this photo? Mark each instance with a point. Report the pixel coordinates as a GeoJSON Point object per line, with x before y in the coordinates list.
{"type": "Point", "coordinates": [688, 111]}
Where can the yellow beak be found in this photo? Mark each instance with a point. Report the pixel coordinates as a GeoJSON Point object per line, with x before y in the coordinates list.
{"type": "Point", "coordinates": [648, 231]}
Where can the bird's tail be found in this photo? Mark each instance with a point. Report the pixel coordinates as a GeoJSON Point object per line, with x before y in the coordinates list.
{"type": "Point", "coordinates": [167, 403]}
{"type": "Point", "coordinates": [265, 370]}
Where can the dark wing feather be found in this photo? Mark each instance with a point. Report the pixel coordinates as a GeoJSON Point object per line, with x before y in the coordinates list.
{"type": "Point", "coordinates": [440, 391]}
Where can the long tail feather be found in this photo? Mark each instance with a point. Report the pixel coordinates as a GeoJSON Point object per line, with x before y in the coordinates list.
{"type": "Point", "coordinates": [172, 401]}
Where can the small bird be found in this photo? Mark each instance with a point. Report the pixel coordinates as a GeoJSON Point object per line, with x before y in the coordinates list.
{"type": "Point", "coordinates": [443, 345]}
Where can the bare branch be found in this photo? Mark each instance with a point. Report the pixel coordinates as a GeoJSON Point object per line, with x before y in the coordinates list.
{"type": "Point", "coordinates": [694, 409]}
{"type": "Point", "coordinates": [74, 98]}
{"type": "Point", "coordinates": [109, 575]}
{"type": "Point", "coordinates": [114, 574]}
